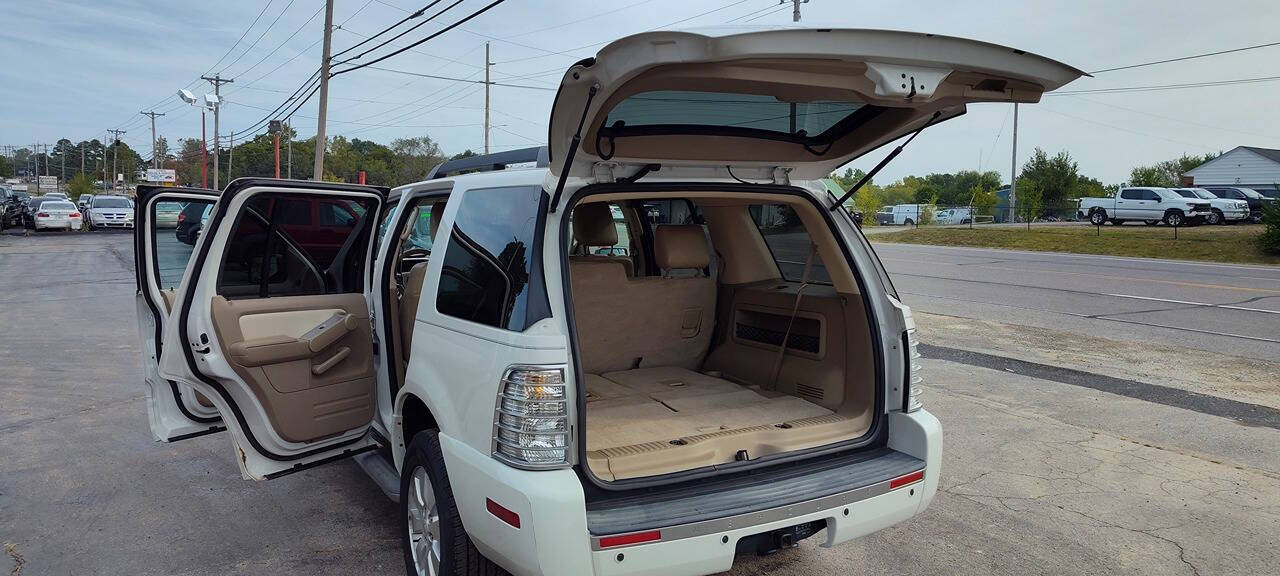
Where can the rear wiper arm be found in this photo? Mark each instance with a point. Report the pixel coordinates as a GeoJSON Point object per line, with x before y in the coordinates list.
{"type": "Point", "coordinates": [887, 159]}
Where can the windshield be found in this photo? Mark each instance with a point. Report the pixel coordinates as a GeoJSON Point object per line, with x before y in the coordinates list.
{"type": "Point", "coordinates": [110, 202]}
{"type": "Point", "coordinates": [1204, 194]}
{"type": "Point", "coordinates": [1250, 193]}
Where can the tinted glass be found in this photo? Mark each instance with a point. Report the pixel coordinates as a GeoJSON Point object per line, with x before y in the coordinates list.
{"type": "Point", "coordinates": [728, 110]}
{"type": "Point", "coordinates": [1186, 193]}
{"type": "Point", "coordinates": [276, 251]}
{"type": "Point", "coordinates": [1153, 195]}
{"type": "Point", "coordinates": [1131, 194]}
{"type": "Point", "coordinates": [172, 252]}
{"type": "Point", "coordinates": [789, 242]}
{"type": "Point", "coordinates": [111, 203]}
{"type": "Point", "coordinates": [491, 273]}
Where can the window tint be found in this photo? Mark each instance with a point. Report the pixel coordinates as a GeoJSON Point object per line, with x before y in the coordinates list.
{"type": "Point", "coordinates": [492, 272]}
{"type": "Point", "coordinates": [172, 251]}
{"type": "Point", "coordinates": [110, 202]}
{"type": "Point", "coordinates": [1132, 194]}
{"type": "Point", "coordinates": [1153, 195]}
{"type": "Point", "coordinates": [679, 111]}
{"type": "Point", "coordinates": [276, 251]}
{"type": "Point", "coordinates": [1183, 192]}
{"type": "Point", "coordinates": [788, 241]}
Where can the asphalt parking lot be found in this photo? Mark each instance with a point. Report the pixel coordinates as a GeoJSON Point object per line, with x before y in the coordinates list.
{"type": "Point", "coordinates": [1048, 468]}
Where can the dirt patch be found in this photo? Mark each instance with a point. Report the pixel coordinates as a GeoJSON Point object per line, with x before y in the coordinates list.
{"type": "Point", "coordinates": [1233, 377]}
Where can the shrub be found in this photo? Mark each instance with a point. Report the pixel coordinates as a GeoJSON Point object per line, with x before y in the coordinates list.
{"type": "Point", "coordinates": [1269, 240]}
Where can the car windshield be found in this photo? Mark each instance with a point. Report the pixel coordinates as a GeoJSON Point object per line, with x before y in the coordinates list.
{"type": "Point", "coordinates": [1204, 194]}
{"type": "Point", "coordinates": [110, 202]}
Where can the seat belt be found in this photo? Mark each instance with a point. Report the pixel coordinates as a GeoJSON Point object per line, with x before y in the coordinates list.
{"type": "Point", "coordinates": [782, 347]}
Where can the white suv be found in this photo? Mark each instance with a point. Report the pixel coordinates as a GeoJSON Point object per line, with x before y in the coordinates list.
{"type": "Point", "coordinates": [659, 344]}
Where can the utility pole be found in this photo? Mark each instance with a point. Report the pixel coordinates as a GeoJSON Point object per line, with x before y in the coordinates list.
{"type": "Point", "coordinates": [82, 158]}
{"type": "Point", "coordinates": [217, 82]}
{"type": "Point", "coordinates": [795, 12]}
{"type": "Point", "coordinates": [487, 63]}
{"type": "Point", "coordinates": [321, 138]}
{"type": "Point", "coordinates": [1013, 168]}
{"type": "Point", "coordinates": [35, 156]}
{"type": "Point", "coordinates": [290, 134]}
{"type": "Point", "coordinates": [115, 158]}
{"type": "Point", "coordinates": [63, 154]}
{"type": "Point", "coordinates": [231, 156]}
{"type": "Point", "coordinates": [155, 158]}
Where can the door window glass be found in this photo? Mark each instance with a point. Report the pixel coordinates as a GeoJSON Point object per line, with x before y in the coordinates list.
{"type": "Point", "coordinates": [789, 242]}
{"type": "Point", "coordinates": [173, 237]}
{"type": "Point", "coordinates": [491, 272]}
{"type": "Point", "coordinates": [275, 250]}
{"type": "Point", "coordinates": [1131, 194]}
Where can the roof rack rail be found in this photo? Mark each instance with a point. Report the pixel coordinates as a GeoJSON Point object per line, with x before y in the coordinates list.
{"type": "Point", "coordinates": [490, 162]}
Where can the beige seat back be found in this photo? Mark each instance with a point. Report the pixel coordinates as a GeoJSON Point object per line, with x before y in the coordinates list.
{"type": "Point", "coordinates": [409, 305]}
{"type": "Point", "coordinates": [593, 226]}
{"type": "Point", "coordinates": [625, 323]}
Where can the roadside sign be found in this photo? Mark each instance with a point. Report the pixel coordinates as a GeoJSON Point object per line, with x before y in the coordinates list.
{"type": "Point", "coordinates": [48, 183]}
{"type": "Point", "coordinates": [161, 175]}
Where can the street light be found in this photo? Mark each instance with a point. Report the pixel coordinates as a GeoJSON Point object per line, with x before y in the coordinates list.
{"type": "Point", "coordinates": [190, 98]}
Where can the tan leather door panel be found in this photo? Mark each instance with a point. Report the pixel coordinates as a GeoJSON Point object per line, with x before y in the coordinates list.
{"type": "Point", "coordinates": [307, 359]}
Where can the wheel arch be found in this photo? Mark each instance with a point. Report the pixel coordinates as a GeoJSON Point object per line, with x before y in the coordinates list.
{"type": "Point", "coordinates": [412, 415]}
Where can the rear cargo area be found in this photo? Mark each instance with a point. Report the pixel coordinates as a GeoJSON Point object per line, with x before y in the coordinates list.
{"type": "Point", "coordinates": [685, 371]}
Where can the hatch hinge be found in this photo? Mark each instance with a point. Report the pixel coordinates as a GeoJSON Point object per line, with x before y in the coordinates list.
{"type": "Point", "coordinates": [602, 172]}
{"type": "Point", "coordinates": [781, 176]}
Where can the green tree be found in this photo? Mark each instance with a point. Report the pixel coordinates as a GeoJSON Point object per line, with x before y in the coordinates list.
{"type": "Point", "coordinates": [984, 200]}
{"type": "Point", "coordinates": [6, 167]}
{"type": "Point", "coordinates": [79, 185]}
{"type": "Point", "coordinates": [1030, 200]}
{"type": "Point", "coordinates": [1055, 179]}
{"type": "Point", "coordinates": [1167, 172]}
{"type": "Point", "coordinates": [1269, 240]}
{"type": "Point", "coordinates": [1087, 187]}
{"type": "Point", "coordinates": [1151, 176]}
{"type": "Point", "coordinates": [868, 202]}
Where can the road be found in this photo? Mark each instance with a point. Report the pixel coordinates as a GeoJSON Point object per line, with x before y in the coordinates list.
{"type": "Point", "coordinates": [1038, 476]}
{"type": "Point", "coordinates": [1231, 309]}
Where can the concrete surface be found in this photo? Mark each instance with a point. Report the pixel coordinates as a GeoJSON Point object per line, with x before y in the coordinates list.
{"type": "Point", "coordinates": [1038, 476]}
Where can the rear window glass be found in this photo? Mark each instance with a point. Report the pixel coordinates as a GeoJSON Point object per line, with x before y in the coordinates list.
{"type": "Point", "coordinates": [729, 110]}
{"type": "Point", "coordinates": [58, 206]}
{"type": "Point", "coordinates": [789, 242]}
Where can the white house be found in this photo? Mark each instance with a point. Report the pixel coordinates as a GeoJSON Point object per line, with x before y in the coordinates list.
{"type": "Point", "coordinates": [1243, 166]}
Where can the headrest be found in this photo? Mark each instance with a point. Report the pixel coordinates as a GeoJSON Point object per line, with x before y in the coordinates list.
{"type": "Point", "coordinates": [437, 212]}
{"type": "Point", "coordinates": [678, 246]}
{"type": "Point", "coordinates": [593, 225]}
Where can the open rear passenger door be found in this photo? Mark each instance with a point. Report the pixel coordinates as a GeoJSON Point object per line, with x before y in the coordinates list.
{"type": "Point", "coordinates": [163, 244]}
{"type": "Point", "coordinates": [272, 323]}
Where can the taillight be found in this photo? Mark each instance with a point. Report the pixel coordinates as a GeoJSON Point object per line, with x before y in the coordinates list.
{"type": "Point", "coordinates": [911, 400]}
{"type": "Point", "coordinates": [531, 423]}
{"type": "Point", "coordinates": [42, 214]}
{"type": "Point", "coordinates": [75, 214]}
{"type": "Point", "coordinates": [182, 216]}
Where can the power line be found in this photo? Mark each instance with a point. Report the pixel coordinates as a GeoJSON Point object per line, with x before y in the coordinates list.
{"type": "Point", "coordinates": [1166, 86]}
{"type": "Point", "coordinates": [1192, 57]}
{"type": "Point", "coordinates": [770, 13]}
{"type": "Point", "coordinates": [452, 79]}
{"type": "Point", "coordinates": [260, 37]}
{"type": "Point", "coordinates": [411, 16]}
{"type": "Point", "coordinates": [487, 7]}
{"type": "Point", "coordinates": [400, 35]}
{"type": "Point", "coordinates": [1172, 119]}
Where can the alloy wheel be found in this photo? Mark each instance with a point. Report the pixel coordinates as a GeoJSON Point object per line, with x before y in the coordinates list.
{"type": "Point", "coordinates": [424, 524]}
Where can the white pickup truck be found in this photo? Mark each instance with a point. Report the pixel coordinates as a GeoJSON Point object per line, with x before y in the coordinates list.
{"type": "Point", "coordinates": [1151, 205]}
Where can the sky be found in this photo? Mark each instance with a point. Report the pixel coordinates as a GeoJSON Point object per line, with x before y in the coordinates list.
{"type": "Point", "coordinates": [76, 69]}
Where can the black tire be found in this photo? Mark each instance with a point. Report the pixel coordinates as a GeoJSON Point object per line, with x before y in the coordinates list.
{"type": "Point", "coordinates": [909, 222]}
{"type": "Point", "coordinates": [1174, 218]}
{"type": "Point", "coordinates": [1117, 222]}
{"type": "Point", "coordinates": [1150, 222]}
{"type": "Point", "coordinates": [1098, 217]}
{"type": "Point", "coordinates": [458, 555]}
{"type": "Point", "coordinates": [1215, 217]}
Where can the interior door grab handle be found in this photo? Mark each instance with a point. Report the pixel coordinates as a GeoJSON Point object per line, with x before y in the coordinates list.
{"type": "Point", "coordinates": [337, 357]}
{"type": "Point", "coordinates": [329, 331]}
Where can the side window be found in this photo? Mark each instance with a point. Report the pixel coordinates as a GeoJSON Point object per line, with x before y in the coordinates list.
{"type": "Point", "coordinates": [173, 237]}
{"type": "Point", "coordinates": [492, 272]}
{"type": "Point", "coordinates": [333, 214]}
{"type": "Point", "coordinates": [1153, 195]}
{"type": "Point", "coordinates": [1131, 194]}
{"type": "Point", "coordinates": [789, 242]}
{"type": "Point", "coordinates": [276, 251]}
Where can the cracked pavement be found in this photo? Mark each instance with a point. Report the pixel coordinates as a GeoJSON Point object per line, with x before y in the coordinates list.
{"type": "Point", "coordinates": [1039, 477]}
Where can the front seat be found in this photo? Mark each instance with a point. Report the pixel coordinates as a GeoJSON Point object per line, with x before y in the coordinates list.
{"type": "Point", "coordinates": [593, 226]}
{"type": "Point", "coordinates": [413, 286]}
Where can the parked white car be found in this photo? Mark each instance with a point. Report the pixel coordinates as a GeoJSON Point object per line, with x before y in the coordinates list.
{"type": "Point", "coordinates": [57, 215]}
{"type": "Point", "coordinates": [904, 214]}
{"type": "Point", "coordinates": [951, 216]}
{"type": "Point", "coordinates": [110, 212]}
{"type": "Point", "coordinates": [1152, 205]}
{"type": "Point", "coordinates": [1224, 210]}
{"type": "Point", "coordinates": [539, 405]}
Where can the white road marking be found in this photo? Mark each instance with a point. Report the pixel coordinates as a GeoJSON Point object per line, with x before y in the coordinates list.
{"type": "Point", "coordinates": [1232, 307]}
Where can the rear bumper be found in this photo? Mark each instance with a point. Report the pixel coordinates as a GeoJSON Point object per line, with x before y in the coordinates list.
{"type": "Point", "coordinates": [554, 535]}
